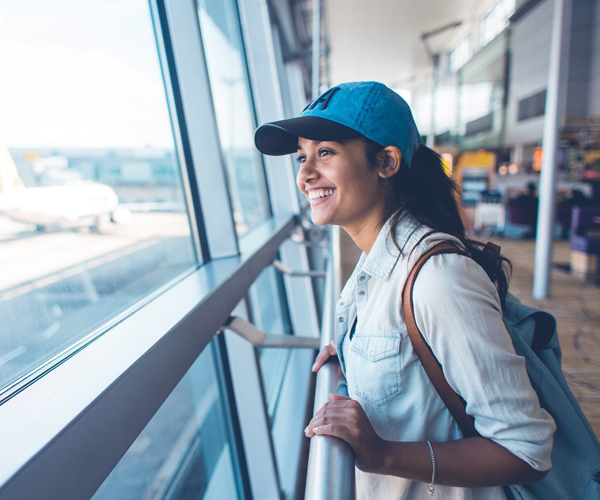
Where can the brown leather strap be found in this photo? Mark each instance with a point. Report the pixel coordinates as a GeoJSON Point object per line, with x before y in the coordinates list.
{"type": "Point", "coordinates": [453, 401]}
{"type": "Point", "coordinates": [492, 249]}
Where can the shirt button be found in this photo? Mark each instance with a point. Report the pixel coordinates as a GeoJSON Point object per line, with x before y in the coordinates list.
{"type": "Point", "coordinates": [362, 277]}
{"type": "Point", "coordinates": [361, 292]}
{"type": "Point", "coordinates": [341, 320]}
{"type": "Point", "coordinates": [342, 303]}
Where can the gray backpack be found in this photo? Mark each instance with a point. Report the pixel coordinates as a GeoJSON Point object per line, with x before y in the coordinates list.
{"type": "Point", "coordinates": [575, 472]}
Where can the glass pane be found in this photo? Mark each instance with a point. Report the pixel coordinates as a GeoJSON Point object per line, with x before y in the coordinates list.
{"type": "Point", "coordinates": [495, 20]}
{"type": "Point", "coordinates": [233, 106]}
{"type": "Point", "coordinates": [269, 313]}
{"type": "Point", "coordinates": [92, 210]}
{"type": "Point", "coordinates": [184, 451]}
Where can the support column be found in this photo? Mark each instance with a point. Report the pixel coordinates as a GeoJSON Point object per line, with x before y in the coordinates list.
{"type": "Point", "coordinates": [316, 48]}
{"type": "Point", "coordinates": [547, 187]}
{"type": "Point", "coordinates": [431, 135]}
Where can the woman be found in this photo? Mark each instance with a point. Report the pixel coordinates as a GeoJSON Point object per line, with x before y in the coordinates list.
{"type": "Point", "coordinates": [363, 167]}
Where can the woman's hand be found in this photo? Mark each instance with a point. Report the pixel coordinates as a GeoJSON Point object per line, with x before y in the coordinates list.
{"type": "Point", "coordinates": [470, 462]}
{"type": "Point", "coordinates": [327, 351]}
{"type": "Point", "coordinates": [345, 419]}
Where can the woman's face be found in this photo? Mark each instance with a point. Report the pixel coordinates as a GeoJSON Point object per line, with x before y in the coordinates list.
{"type": "Point", "coordinates": [339, 183]}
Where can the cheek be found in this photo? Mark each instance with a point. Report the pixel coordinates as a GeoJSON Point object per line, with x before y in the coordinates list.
{"type": "Point", "coordinates": [365, 182]}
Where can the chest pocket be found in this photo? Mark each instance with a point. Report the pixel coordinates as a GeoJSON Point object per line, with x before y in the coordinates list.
{"type": "Point", "coordinates": [375, 366]}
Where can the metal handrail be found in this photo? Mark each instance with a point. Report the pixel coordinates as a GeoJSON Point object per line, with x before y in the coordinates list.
{"type": "Point", "coordinates": [330, 474]}
{"type": "Point", "coordinates": [257, 337]}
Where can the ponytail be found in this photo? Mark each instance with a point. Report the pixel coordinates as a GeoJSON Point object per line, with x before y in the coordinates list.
{"type": "Point", "coordinates": [430, 196]}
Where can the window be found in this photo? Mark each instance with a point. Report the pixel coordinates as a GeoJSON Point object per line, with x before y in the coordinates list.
{"type": "Point", "coordinates": [269, 313]}
{"type": "Point", "coordinates": [93, 216]}
{"type": "Point", "coordinates": [84, 279]}
{"type": "Point", "coordinates": [230, 87]}
{"type": "Point", "coordinates": [185, 450]}
{"type": "Point", "coordinates": [495, 20]}
{"type": "Point", "coordinates": [461, 54]}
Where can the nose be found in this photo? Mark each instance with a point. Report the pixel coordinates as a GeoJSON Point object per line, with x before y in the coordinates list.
{"type": "Point", "coordinates": [307, 173]}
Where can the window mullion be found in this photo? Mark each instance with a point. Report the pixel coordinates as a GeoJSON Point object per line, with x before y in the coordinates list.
{"type": "Point", "coordinates": [198, 109]}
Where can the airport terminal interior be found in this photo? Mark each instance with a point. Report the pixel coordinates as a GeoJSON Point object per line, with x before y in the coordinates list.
{"type": "Point", "coordinates": [163, 288]}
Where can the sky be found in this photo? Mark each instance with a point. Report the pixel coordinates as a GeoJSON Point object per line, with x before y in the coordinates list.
{"type": "Point", "coordinates": [80, 74]}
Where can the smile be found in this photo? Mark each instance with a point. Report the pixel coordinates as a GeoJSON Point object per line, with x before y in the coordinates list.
{"type": "Point", "coordinates": [320, 194]}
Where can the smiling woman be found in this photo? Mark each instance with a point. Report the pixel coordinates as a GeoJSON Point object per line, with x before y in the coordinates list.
{"type": "Point", "coordinates": [363, 167]}
{"type": "Point", "coordinates": [341, 186]}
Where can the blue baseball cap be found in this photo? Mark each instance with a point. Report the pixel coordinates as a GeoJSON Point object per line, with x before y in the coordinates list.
{"type": "Point", "coordinates": [353, 109]}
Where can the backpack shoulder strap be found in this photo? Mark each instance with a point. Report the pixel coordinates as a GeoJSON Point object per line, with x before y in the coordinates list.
{"type": "Point", "coordinates": [455, 404]}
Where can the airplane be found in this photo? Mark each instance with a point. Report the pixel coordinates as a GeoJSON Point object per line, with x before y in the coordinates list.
{"type": "Point", "coordinates": [80, 204]}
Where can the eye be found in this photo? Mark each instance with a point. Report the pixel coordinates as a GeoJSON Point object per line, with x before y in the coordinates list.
{"type": "Point", "coordinates": [325, 152]}
{"type": "Point", "coordinates": [301, 159]}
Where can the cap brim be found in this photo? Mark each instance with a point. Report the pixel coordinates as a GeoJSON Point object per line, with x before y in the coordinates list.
{"type": "Point", "coordinates": [281, 137]}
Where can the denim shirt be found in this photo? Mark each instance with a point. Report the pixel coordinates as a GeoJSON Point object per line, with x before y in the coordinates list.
{"type": "Point", "coordinates": [458, 310]}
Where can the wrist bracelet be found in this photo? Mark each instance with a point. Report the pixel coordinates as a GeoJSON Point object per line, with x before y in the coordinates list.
{"type": "Point", "coordinates": [430, 486]}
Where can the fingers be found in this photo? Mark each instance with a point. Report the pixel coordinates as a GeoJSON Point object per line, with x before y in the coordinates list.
{"type": "Point", "coordinates": [327, 351]}
{"type": "Point", "coordinates": [343, 402]}
{"type": "Point", "coordinates": [348, 412]}
{"type": "Point", "coordinates": [334, 430]}
{"type": "Point", "coordinates": [338, 419]}
{"type": "Point", "coordinates": [326, 430]}
{"type": "Point", "coordinates": [339, 430]}
{"type": "Point", "coordinates": [337, 397]}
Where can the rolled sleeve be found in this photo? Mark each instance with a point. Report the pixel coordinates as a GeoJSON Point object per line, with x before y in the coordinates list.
{"type": "Point", "coordinates": [458, 311]}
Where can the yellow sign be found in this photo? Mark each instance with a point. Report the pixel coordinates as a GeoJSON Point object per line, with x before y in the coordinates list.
{"type": "Point", "coordinates": [479, 159]}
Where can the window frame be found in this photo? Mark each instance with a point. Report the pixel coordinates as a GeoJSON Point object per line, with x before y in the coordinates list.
{"type": "Point", "coordinates": [71, 427]}
{"type": "Point", "coordinates": [263, 184]}
{"type": "Point", "coordinates": [289, 420]}
{"type": "Point", "coordinates": [98, 409]}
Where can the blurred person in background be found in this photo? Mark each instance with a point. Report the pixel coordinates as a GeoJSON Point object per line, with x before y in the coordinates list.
{"type": "Point", "coordinates": [523, 210]}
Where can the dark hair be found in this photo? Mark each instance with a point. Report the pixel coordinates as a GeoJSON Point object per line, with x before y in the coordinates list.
{"type": "Point", "coordinates": [430, 196]}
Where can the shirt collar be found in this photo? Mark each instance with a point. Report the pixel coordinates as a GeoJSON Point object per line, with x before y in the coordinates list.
{"type": "Point", "coordinates": [384, 255]}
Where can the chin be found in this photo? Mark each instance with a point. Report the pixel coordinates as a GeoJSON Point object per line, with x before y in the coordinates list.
{"type": "Point", "coordinates": [319, 220]}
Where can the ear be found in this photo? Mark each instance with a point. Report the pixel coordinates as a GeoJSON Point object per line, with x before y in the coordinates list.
{"type": "Point", "coordinates": [391, 158]}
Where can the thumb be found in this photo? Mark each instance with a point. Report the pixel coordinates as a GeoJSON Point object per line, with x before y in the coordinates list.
{"type": "Point", "coordinates": [337, 397]}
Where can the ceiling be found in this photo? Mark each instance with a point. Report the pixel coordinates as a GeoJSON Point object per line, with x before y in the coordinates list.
{"type": "Point", "coordinates": [381, 39]}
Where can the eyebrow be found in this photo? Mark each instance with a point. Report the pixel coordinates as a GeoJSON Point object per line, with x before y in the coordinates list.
{"type": "Point", "coordinates": [314, 142]}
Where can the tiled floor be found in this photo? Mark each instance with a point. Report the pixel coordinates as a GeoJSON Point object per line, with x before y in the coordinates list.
{"type": "Point", "coordinates": [575, 304]}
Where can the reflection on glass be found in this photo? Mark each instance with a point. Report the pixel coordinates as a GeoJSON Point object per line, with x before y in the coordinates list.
{"type": "Point", "coordinates": [233, 106]}
{"type": "Point", "coordinates": [92, 210]}
{"type": "Point", "coordinates": [184, 452]}
{"type": "Point", "coordinates": [269, 313]}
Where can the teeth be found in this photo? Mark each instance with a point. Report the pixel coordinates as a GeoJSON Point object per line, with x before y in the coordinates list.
{"type": "Point", "coordinates": [313, 195]}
